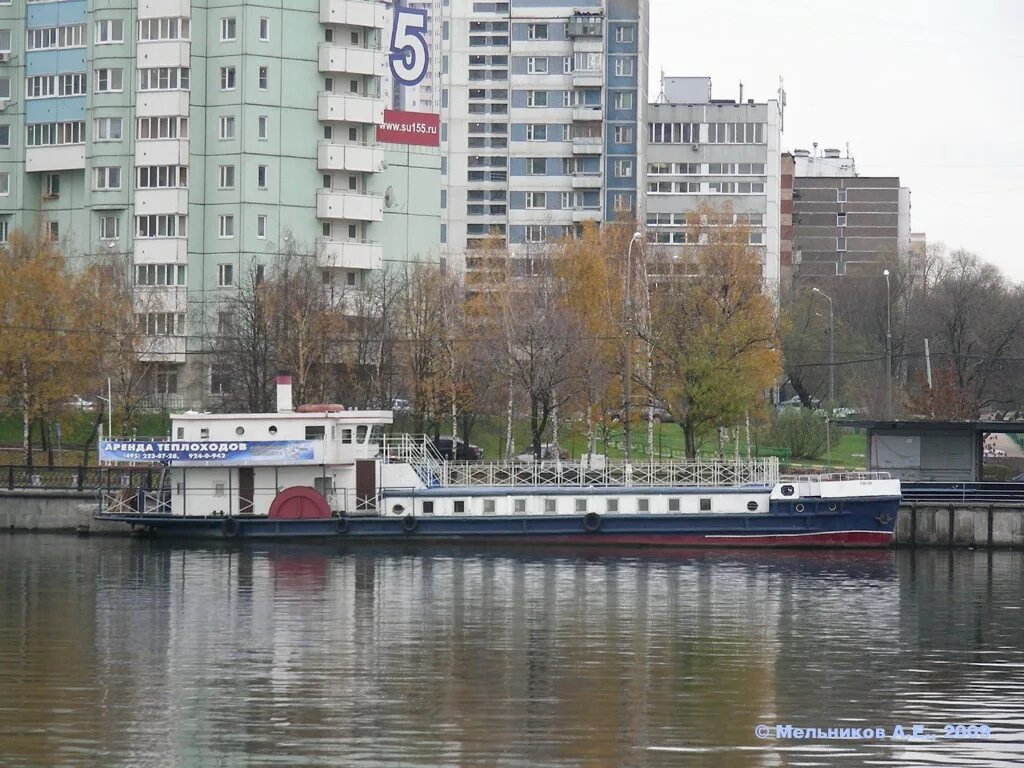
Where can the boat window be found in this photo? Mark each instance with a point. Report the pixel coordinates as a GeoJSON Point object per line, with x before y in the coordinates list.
{"type": "Point", "coordinates": [218, 489]}
{"type": "Point", "coordinates": [520, 506]}
{"type": "Point", "coordinates": [673, 505]}
{"type": "Point", "coordinates": [581, 505]}
{"type": "Point", "coordinates": [239, 431]}
{"type": "Point", "coordinates": [428, 507]}
{"type": "Point", "coordinates": [181, 433]}
{"type": "Point", "coordinates": [488, 506]}
{"type": "Point", "coordinates": [612, 505]}
{"type": "Point", "coordinates": [315, 433]}
{"type": "Point", "coordinates": [643, 505]}
{"type": "Point", "coordinates": [272, 429]}
{"type": "Point", "coordinates": [550, 506]}
{"type": "Point", "coordinates": [705, 505]}
{"type": "Point", "coordinates": [377, 434]}
{"type": "Point", "coordinates": [459, 508]}
{"type": "Point", "coordinates": [346, 436]}
{"type": "Point", "coordinates": [752, 506]}
{"type": "Point", "coordinates": [324, 485]}
{"type": "Point", "coordinates": [361, 434]}
{"type": "Point", "coordinates": [204, 433]}
{"type": "Point", "coordinates": [180, 489]}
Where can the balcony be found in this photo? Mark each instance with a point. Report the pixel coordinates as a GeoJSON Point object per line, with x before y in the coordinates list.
{"type": "Point", "coordinates": [349, 157]}
{"type": "Point", "coordinates": [352, 60]}
{"type": "Point", "coordinates": [587, 114]}
{"type": "Point", "coordinates": [350, 109]}
{"type": "Point", "coordinates": [351, 254]}
{"type": "Point", "coordinates": [65, 157]}
{"type": "Point", "coordinates": [162, 103]}
{"type": "Point", "coordinates": [161, 152]}
{"type": "Point", "coordinates": [586, 145]}
{"type": "Point", "coordinates": [161, 201]}
{"type": "Point", "coordinates": [163, 349]}
{"type": "Point", "coordinates": [581, 213]}
{"type": "Point", "coordinates": [161, 298]}
{"type": "Point", "coordinates": [587, 77]}
{"type": "Point", "coordinates": [356, 13]}
{"type": "Point", "coordinates": [353, 206]}
{"type": "Point", "coordinates": [586, 180]}
{"type": "Point", "coordinates": [161, 250]}
{"type": "Point", "coordinates": [164, 53]}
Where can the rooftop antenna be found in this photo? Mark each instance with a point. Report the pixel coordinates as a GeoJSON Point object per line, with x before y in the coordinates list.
{"type": "Point", "coordinates": [782, 105]}
{"type": "Point", "coordinates": [662, 99]}
{"type": "Point", "coordinates": [741, 92]}
{"type": "Point", "coordinates": [815, 145]}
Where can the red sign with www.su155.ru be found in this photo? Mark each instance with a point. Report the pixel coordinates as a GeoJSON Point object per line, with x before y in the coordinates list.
{"type": "Point", "coordinates": [422, 129]}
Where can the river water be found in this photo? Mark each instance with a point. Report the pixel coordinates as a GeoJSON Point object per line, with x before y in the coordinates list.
{"type": "Point", "coordinates": [118, 652]}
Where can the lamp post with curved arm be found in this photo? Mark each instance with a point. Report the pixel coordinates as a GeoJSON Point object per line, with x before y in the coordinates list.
{"type": "Point", "coordinates": [888, 348]}
{"type": "Point", "coordinates": [831, 371]}
{"type": "Point", "coordinates": [628, 384]}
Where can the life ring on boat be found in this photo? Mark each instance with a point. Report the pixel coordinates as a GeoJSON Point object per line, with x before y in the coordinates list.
{"type": "Point", "coordinates": [592, 522]}
{"type": "Point", "coordinates": [341, 524]}
{"type": "Point", "coordinates": [409, 523]}
{"type": "Point", "coordinates": [230, 527]}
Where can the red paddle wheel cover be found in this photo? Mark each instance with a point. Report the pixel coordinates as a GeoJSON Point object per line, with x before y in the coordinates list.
{"type": "Point", "coordinates": [300, 502]}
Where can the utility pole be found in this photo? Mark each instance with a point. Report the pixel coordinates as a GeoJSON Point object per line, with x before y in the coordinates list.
{"type": "Point", "coordinates": [888, 349]}
{"type": "Point", "coordinates": [628, 384]}
{"type": "Point", "coordinates": [831, 371]}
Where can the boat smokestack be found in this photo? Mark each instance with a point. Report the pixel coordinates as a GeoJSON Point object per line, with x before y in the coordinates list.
{"type": "Point", "coordinates": [284, 393]}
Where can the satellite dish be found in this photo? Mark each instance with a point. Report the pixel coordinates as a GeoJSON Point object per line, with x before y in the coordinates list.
{"type": "Point", "coordinates": [389, 198]}
{"type": "Point", "coordinates": [383, 165]}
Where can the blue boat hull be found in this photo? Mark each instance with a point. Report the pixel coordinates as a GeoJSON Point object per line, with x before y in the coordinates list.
{"type": "Point", "coordinates": [855, 523]}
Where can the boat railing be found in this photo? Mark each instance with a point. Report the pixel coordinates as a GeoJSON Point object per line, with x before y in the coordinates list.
{"type": "Point", "coordinates": [420, 453]}
{"type": "Point", "coordinates": [696, 473]}
{"type": "Point", "coordinates": [827, 477]}
{"type": "Point", "coordinates": [129, 501]}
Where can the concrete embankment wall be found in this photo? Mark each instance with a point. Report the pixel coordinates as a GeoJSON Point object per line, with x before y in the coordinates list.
{"type": "Point", "coordinates": [960, 525]}
{"type": "Point", "coordinates": [942, 525]}
{"type": "Point", "coordinates": [44, 510]}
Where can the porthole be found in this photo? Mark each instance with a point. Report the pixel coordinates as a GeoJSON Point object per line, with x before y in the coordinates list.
{"type": "Point", "coordinates": [832, 507]}
{"type": "Point", "coordinates": [799, 507]}
{"type": "Point", "coordinates": [752, 506]}
{"type": "Point", "coordinates": [397, 509]}
{"type": "Point", "coordinates": [272, 429]}
{"type": "Point", "coordinates": [239, 430]}
{"type": "Point", "coordinates": [787, 490]}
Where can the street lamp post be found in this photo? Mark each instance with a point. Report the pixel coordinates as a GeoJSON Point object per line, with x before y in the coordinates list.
{"type": "Point", "coordinates": [628, 385]}
{"type": "Point", "coordinates": [831, 371]}
{"type": "Point", "coordinates": [888, 349]}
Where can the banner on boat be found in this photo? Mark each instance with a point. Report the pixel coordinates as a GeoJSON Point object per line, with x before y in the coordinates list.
{"type": "Point", "coordinates": [207, 451]}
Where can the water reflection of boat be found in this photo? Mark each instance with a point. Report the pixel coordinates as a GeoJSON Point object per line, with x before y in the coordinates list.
{"type": "Point", "coordinates": [331, 473]}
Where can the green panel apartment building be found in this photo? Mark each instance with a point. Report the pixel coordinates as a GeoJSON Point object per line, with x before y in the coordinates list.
{"type": "Point", "coordinates": [198, 139]}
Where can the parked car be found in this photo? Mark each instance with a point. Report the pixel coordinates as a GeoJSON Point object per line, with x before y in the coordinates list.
{"type": "Point", "coordinates": [547, 453]}
{"type": "Point", "coordinates": [81, 403]}
{"type": "Point", "coordinates": [460, 452]}
{"type": "Point", "coordinates": [639, 411]}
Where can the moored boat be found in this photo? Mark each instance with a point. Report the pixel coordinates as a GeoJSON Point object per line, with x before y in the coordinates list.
{"type": "Point", "coordinates": [324, 471]}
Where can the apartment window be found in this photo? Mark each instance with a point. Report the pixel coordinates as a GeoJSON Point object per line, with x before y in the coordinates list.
{"type": "Point", "coordinates": [107, 129]}
{"type": "Point", "coordinates": [162, 128]}
{"type": "Point", "coordinates": [566, 98]}
{"type": "Point", "coordinates": [262, 128]}
{"type": "Point", "coordinates": [110, 227]}
{"type": "Point", "coordinates": [163, 324]}
{"type": "Point", "coordinates": [227, 78]}
{"type": "Point", "coordinates": [567, 65]}
{"type": "Point", "coordinates": [566, 200]}
{"type": "Point", "coordinates": [623, 134]}
{"type": "Point", "coordinates": [567, 132]}
{"type": "Point", "coordinates": [842, 195]}
{"type": "Point", "coordinates": [5, 135]}
{"type": "Point", "coordinates": [109, 31]}
{"type": "Point", "coordinates": [164, 79]}
{"type": "Point", "coordinates": [535, 166]}
{"type": "Point", "coordinates": [536, 65]}
{"type": "Point", "coordinates": [5, 88]}
{"type": "Point", "coordinates": [161, 176]}
{"type": "Point", "coordinates": [622, 202]}
{"type": "Point", "coordinates": [840, 243]}
{"type": "Point", "coordinates": [623, 100]}
{"type": "Point", "coordinates": [225, 273]}
{"type": "Point", "coordinates": [623, 66]}
{"type": "Point", "coordinates": [624, 34]}
{"type": "Point", "coordinates": [264, 28]}
{"type": "Point", "coordinates": [536, 200]}
{"type": "Point", "coordinates": [226, 228]}
{"type": "Point", "coordinates": [228, 28]}
{"type": "Point", "coordinates": [536, 98]}
{"type": "Point", "coordinates": [840, 219]}
{"type": "Point", "coordinates": [53, 231]}
{"type": "Point", "coordinates": [51, 185]}
{"type": "Point", "coordinates": [227, 177]}
{"type": "Point", "coordinates": [109, 80]}
{"type": "Point", "coordinates": [536, 31]}
{"type": "Point", "coordinates": [107, 177]}
{"type": "Point", "coordinates": [264, 78]}
{"type": "Point", "coordinates": [623, 169]}
{"type": "Point", "coordinates": [536, 132]}
{"type": "Point", "coordinates": [66, 36]}
{"type": "Point", "coordinates": [261, 176]}
{"type": "Point", "coordinates": [5, 229]}
{"type": "Point", "coordinates": [161, 225]}
{"type": "Point", "coordinates": [227, 127]}
{"type": "Point", "coordinates": [261, 226]}
{"type": "Point", "coordinates": [534, 233]}
{"type": "Point", "coordinates": [5, 184]}
{"type": "Point", "coordinates": [172, 28]}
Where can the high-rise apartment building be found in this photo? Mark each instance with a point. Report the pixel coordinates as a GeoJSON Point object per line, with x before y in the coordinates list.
{"type": "Point", "coordinates": [201, 138]}
{"type": "Point", "coordinates": [720, 151]}
{"type": "Point", "coordinates": [542, 119]}
{"type": "Point", "coordinates": [843, 221]}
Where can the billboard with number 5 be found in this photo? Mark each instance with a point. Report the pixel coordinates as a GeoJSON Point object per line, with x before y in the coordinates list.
{"type": "Point", "coordinates": [411, 115]}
